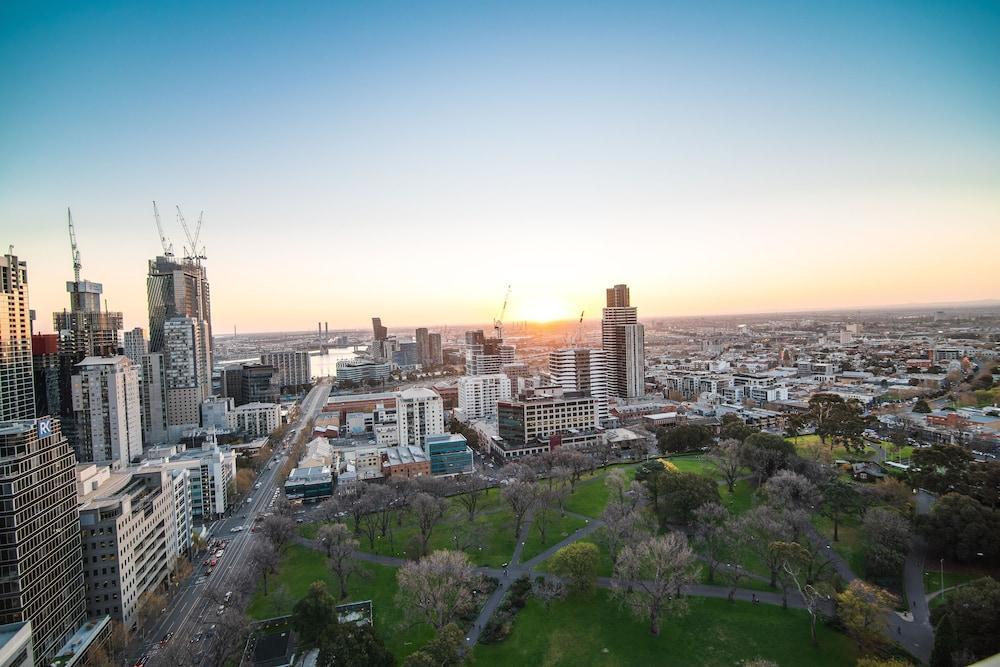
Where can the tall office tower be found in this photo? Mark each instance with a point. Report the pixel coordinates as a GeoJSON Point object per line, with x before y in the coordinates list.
{"type": "Point", "coordinates": [45, 360]}
{"type": "Point", "coordinates": [257, 384]}
{"type": "Point", "coordinates": [622, 339]}
{"type": "Point", "coordinates": [423, 347]}
{"type": "Point", "coordinates": [135, 345]}
{"type": "Point", "coordinates": [379, 349]}
{"type": "Point", "coordinates": [185, 376]}
{"type": "Point", "coordinates": [294, 368]}
{"type": "Point", "coordinates": [108, 407]}
{"type": "Point", "coordinates": [40, 530]}
{"type": "Point", "coordinates": [478, 394]}
{"type": "Point", "coordinates": [419, 413]}
{"type": "Point", "coordinates": [584, 371]}
{"type": "Point", "coordinates": [180, 327]}
{"type": "Point", "coordinates": [434, 349]}
{"type": "Point", "coordinates": [17, 394]}
{"type": "Point", "coordinates": [154, 400]}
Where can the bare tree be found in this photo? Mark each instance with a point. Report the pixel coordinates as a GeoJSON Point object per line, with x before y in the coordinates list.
{"type": "Point", "coordinates": [151, 605]}
{"type": "Point", "coordinates": [728, 458]}
{"type": "Point", "coordinates": [548, 590]}
{"type": "Point", "coordinates": [625, 524]}
{"type": "Point", "coordinates": [795, 565]}
{"type": "Point", "coordinates": [760, 527]}
{"type": "Point", "coordinates": [278, 530]}
{"type": "Point", "coordinates": [265, 558]}
{"type": "Point", "coordinates": [328, 510]}
{"type": "Point", "coordinates": [473, 488]}
{"type": "Point", "coordinates": [339, 546]}
{"type": "Point", "coordinates": [427, 511]}
{"type": "Point", "coordinates": [521, 497]}
{"type": "Point", "coordinates": [712, 535]}
{"type": "Point", "coordinates": [117, 642]}
{"type": "Point", "coordinates": [577, 462]}
{"type": "Point", "coordinates": [549, 501]}
{"type": "Point", "coordinates": [791, 491]}
{"type": "Point", "coordinates": [515, 471]}
{"type": "Point", "coordinates": [648, 577]}
{"type": "Point", "coordinates": [230, 632]}
{"type": "Point", "coordinates": [617, 481]}
{"type": "Point", "coordinates": [438, 588]}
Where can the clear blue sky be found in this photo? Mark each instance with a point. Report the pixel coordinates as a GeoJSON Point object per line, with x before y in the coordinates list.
{"type": "Point", "coordinates": [410, 159]}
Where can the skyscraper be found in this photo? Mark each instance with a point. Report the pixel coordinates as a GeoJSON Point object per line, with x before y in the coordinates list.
{"type": "Point", "coordinates": [380, 351]}
{"type": "Point", "coordinates": [135, 345]}
{"type": "Point", "coordinates": [108, 407]}
{"type": "Point", "coordinates": [40, 530]}
{"type": "Point", "coordinates": [434, 349]}
{"type": "Point", "coordinates": [180, 327]}
{"type": "Point", "coordinates": [17, 394]}
{"type": "Point", "coordinates": [423, 347]}
{"type": "Point", "coordinates": [623, 341]}
{"type": "Point", "coordinates": [585, 371]}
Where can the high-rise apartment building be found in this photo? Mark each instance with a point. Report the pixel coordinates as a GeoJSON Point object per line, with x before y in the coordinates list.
{"type": "Point", "coordinates": [434, 349]}
{"type": "Point", "coordinates": [379, 349]}
{"type": "Point", "coordinates": [584, 371]}
{"type": "Point", "coordinates": [485, 356]}
{"type": "Point", "coordinates": [154, 400]}
{"type": "Point", "coordinates": [250, 383]}
{"type": "Point", "coordinates": [478, 394]}
{"type": "Point", "coordinates": [135, 345]}
{"type": "Point", "coordinates": [422, 338]}
{"type": "Point", "coordinates": [419, 412]}
{"type": "Point", "coordinates": [45, 360]}
{"type": "Point", "coordinates": [40, 561]}
{"type": "Point", "coordinates": [294, 371]}
{"type": "Point", "coordinates": [622, 338]}
{"type": "Point", "coordinates": [185, 377]}
{"type": "Point", "coordinates": [180, 327]}
{"type": "Point", "coordinates": [129, 538]}
{"type": "Point", "coordinates": [17, 393]}
{"type": "Point", "coordinates": [108, 411]}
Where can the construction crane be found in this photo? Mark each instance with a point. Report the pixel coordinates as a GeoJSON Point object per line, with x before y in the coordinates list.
{"type": "Point", "coordinates": [498, 322]}
{"type": "Point", "coordinates": [192, 250]}
{"type": "Point", "coordinates": [168, 247]}
{"type": "Point", "coordinates": [77, 264]}
{"type": "Point", "coordinates": [579, 330]}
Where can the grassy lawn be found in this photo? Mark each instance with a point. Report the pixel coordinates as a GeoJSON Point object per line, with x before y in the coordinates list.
{"type": "Point", "coordinates": [740, 500]}
{"type": "Point", "coordinates": [302, 566]}
{"type": "Point", "coordinates": [804, 445]}
{"type": "Point", "coordinates": [849, 545]}
{"type": "Point", "coordinates": [593, 630]}
{"type": "Point", "coordinates": [932, 578]}
{"type": "Point", "coordinates": [696, 464]}
{"type": "Point", "coordinates": [591, 495]}
{"type": "Point", "coordinates": [560, 527]}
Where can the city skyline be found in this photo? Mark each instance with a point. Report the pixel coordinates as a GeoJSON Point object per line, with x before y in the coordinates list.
{"type": "Point", "coordinates": [726, 160]}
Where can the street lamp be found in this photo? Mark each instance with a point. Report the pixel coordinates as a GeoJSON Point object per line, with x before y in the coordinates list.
{"type": "Point", "coordinates": [942, 578]}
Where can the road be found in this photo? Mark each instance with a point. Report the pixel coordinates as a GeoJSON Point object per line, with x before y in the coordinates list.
{"type": "Point", "coordinates": [193, 610]}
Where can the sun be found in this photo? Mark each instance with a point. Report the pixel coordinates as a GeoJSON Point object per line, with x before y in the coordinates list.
{"type": "Point", "coordinates": [543, 309]}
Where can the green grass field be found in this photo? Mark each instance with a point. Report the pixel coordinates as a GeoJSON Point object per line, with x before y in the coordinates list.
{"type": "Point", "coordinates": [740, 500]}
{"type": "Point", "coordinates": [805, 443]}
{"type": "Point", "coordinates": [559, 528]}
{"type": "Point", "coordinates": [932, 578]}
{"type": "Point", "coordinates": [302, 566]}
{"type": "Point", "coordinates": [696, 464]}
{"type": "Point", "coordinates": [592, 630]}
{"type": "Point", "coordinates": [849, 546]}
{"type": "Point", "coordinates": [591, 495]}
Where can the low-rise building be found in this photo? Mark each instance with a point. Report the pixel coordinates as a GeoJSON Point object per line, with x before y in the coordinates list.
{"type": "Point", "coordinates": [310, 484]}
{"type": "Point", "coordinates": [256, 420]}
{"type": "Point", "coordinates": [211, 470]}
{"type": "Point", "coordinates": [362, 370]}
{"type": "Point", "coordinates": [449, 454]}
{"type": "Point", "coordinates": [16, 648]}
{"type": "Point", "coordinates": [405, 461]}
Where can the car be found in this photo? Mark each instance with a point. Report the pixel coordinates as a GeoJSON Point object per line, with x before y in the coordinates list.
{"type": "Point", "coordinates": [300, 520]}
{"type": "Point", "coordinates": [221, 609]}
{"type": "Point", "coordinates": [213, 562]}
{"type": "Point", "coordinates": [218, 554]}
{"type": "Point", "coordinates": [142, 661]}
{"type": "Point", "coordinates": [257, 485]}
{"type": "Point", "coordinates": [237, 529]}
{"type": "Point", "coordinates": [229, 595]}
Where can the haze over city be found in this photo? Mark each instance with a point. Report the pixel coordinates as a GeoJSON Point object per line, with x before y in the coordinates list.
{"type": "Point", "coordinates": [733, 159]}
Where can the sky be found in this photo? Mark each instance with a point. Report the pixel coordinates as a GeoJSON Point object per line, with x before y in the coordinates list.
{"type": "Point", "coordinates": [410, 160]}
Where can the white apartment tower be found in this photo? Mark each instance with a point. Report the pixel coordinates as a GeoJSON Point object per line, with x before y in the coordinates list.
{"type": "Point", "coordinates": [17, 393]}
{"type": "Point", "coordinates": [585, 371]}
{"type": "Point", "coordinates": [478, 394]}
{"type": "Point", "coordinates": [623, 341]}
{"type": "Point", "coordinates": [419, 412]}
{"type": "Point", "coordinates": [185, 375]}
{"type": "Point", "coordinates": [293, 368]}
{"type": "Point", "coordinates": [135, 345]}
{"type": "Point", "coordinates": [107, 408]}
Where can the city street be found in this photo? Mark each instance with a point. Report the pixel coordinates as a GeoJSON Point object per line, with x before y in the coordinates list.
{"type": "Point", "coordinates": [192, 613]}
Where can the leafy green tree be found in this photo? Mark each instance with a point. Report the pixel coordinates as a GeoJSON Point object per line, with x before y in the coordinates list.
{"type": "Point", "coordinates": [941, 468]}
{"type": "Point", "coordinates": [860, 608]}
{"type": "Point", "coordinates": [968, 623]}
{"type": "Point", "coordinates": [922, 407]}
{"type": "Point", "coordinates": [962, 528]}
{"type": "Point", "coordinates": [313, 615]}
{"type": "Point", "coordinates": [683, 438]}
{"type": "Point", "coordinates": [765, 454]}
{"type": "Point", "coordinates": [886, 536]}
{"type": "Point", "coordinates": [444, 650]}
{"type": "Point", "coordinates": [839, 500]}
{"type": "Point", "coordinates": [577, 563]}
{"type": "Point", "coordinates": [732, 427]}
{"type": "Point", "coordinates": [680, 494]}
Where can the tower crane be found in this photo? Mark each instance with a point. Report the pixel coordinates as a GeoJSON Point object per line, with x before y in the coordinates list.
{"type": "Point", "coordinates": [77, 264]}
{"type": "Point", "coordinates": [168, 247]}
{"type": "Point", "coordinates": [579, 330]}
{"type": "Point", "coordinates": [192, 239]}
{"type": "Point", "coordinates": [498, 322]}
